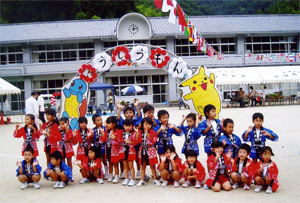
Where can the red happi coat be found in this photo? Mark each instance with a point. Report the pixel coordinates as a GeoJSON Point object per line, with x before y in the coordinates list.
{"type": "Point", "coordinates": [134, 139]}
{"type": "Point", "coordinates": [116, 148]}
{"type": "Point", "coordinates": [67, 144]}
{"type": "Point", "coordinates": [151, 151]}
{"type": "Point", "coordinates": [21, 133]}
{"type": "Point", "coordinates": [249, 170]}
{"type": "Point", "coordinates": [80, 148]}
{"type": "Point", "coordinates": [54, 136]}
{"type": "Point", "coordinates": [177, 162]}
{"type": "Point", "coordinates": [213, 168]}
{"type": "Point", "coordinates": [272, 175]}
{"type": "Point", "coordinates": [200, 173]}
{"type": "Point", "coordinates": [85, 164]}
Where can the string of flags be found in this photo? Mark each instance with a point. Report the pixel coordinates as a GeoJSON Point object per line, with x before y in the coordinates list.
{"type": "Point", "coordinates": [187, 27]}
{"type": "Point", "coordinates": [279, 57]}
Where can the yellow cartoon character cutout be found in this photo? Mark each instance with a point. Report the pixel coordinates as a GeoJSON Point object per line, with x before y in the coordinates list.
{"type": "Point", "coordinates": [200, 90]}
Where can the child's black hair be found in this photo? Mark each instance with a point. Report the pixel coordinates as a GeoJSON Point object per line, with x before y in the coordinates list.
{"type": "Point", "coordinates": [192, 116]}
{"type": "Point", "coordinates": [29, 149]}
{"type": "Point", "coordinates": [245, 147]}
{"type": "Point", "coordinates": [216, 144]}
{"type": "Point", "coordinates": [226, 121]}
{"type": "Point", "coordinates": [162, 113]}
{"type": "Point", "coordinates": [169, 147]}
{"type": "Point", "coordinates": [257, 115]}
{"type": "Point", "coordinates": [266, 148]}
{"type": "Point", "coordinates": [148, 120]}
{"type": "Point", "coordinates": [82, 120]}
{"type": "Point", "coordinates": [33, 119]}
{"type": "Point", "coordinates": [128, 122]}
{"type": "Point", "coordinates": [147, 108]}
{"type": "Point", "coordinates": [56, 155]}
{"type": "Point", "coordinates": [94, 149]}
{"type": "Point", "coordinates": [190, 153]}
{"type": "Point", "coordinates": [111, 119]}
{"type": "Point", "coordinates": [52, 112]}
{"type": "Point", "coordinates": [129, 108]}
{"type": "Point", "coordinates": [64, 119]}
{"type": "Point", "coordinates": [95, 116]}
{"type": "Point", "coordinates": [208, 108]}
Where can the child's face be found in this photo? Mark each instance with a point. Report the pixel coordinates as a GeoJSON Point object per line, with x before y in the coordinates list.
{"type": "Point", "coordinates": [129, 114]}
{"type": "Point", "coordinates": [168, 154]}
{"type": "Point", "coordinates": [62, 125]}
{"type": "Point", "coordinates": [150, 114]}
{"type": "Point", "coordinates": [242, 154]}
{"type": "Point", "coordinates": [55, 162]}
{"type": "Point", "coordinates": [258, 122]}
{"type": "Point", "coordinates": [266, 156]}
{"type": "Point", "coordinates": [91, 155]}
{"type": "Point", "coordinates": [128, 128]}
{"type": "Point", "coordinates": [28, 156]}
{"type": "Point", "coordinates": [82, 125]}
{"type": "Point", "coordinates": [110, 126]}
{"type": "Point", "coordinates": [190, 122]}
{"type": "Point", "coordinates": [147, 126]}
{"type": "Point", "coordinates": [218, 150]}
{"type": "Point", "coordinates": [191, 159]}
{"type": "Point", "coordinates": [164, 119]}
{"type": "Point", "coordinates": [212, 114]}
{"type": "Point", "coordinates": [28, 121]}
{"type": "Point", "coordinates": [49, 117]}
{"type": "Point", "coordinates": [98, 122]}
{"type": "Point", "coordinates": [229, 128]}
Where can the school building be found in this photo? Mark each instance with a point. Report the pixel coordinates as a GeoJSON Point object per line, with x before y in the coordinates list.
{"type": "Point", "coordinates": [41, 56]}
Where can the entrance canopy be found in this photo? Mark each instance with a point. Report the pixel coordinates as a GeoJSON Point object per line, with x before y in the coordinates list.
{"type": "Point", "coordinates": [101, 86]}
{"type": "Point", "coordinates": [257, 75]}
{"type": "Point", "coordinates": [7, 88]}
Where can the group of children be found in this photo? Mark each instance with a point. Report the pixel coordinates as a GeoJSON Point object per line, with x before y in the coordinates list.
{"type": "Point", "coordinates": [120, 142]}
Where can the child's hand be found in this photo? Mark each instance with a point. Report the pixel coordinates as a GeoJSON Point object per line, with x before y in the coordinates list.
{"type": "Point", "coordinates": [17, 127]}
{"type": "Point", "coordinates": [93, 164]}
{"type": "Point", "coordinates": [229, 154]}
{"type": "Point", "coordinates": [76, 162]}
{"type": "Point", "coordinates": [163, 158]}
{"type": "Point", "coordinates": [136, 103]}
{"type": "Point", "coordinates": [265, 133]}
{"type": "Point", "coordinates": [208, 123]}
{"type": "Point", "coordinates": [186, 165]}
{"type": "Point", "coordinates": [224, 142]}
{"type": "Point", "coordinates": [113, 136]}
{"type": "Point", "coordinates": [218, 155]}
{"type": "Point", "coordinates": [170, 126]}
{"type": "Point", "coordinates": [172, 156]}
{"type": "Point", "coordinates": [222, 121]}
{"type": "Point", "coordinates": [194, 170]}
{"type": "Point", "coordinates": [183, 117]}
{"type": "Point", "coordinates": [146, 114]}
{"type": "Point", "coordinates": [199, 116]}
{"type": "Point", "coordinates": [48, 171]}
{"type": "Point", "coordinates": [57, 171]}
{"type": "Point", "coordinates": [162, 127]}
{"type": "Point", "coordinates": [19, 164]}
{"type": "Point", "coordinates": [30, 126]}
{"type": "Point", "coordinates": [248, 164]}
{"type": "Point", "coordinates": [249, 129]}
{"type": "Point", "coordinates": [35, 163]}
{"type": "Point", "coordinates": [127, 141]}
{"type": "Point", "coordinates": [136, 129]}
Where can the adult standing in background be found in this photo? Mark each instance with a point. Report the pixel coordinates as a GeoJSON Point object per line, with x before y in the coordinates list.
{"type": "Point", "coordinates": [252, 95]}
{"type": "Point", "coordinates": [110, 102]}
{"type": "Point", "coordinates": [241, 97]}
{"type": "Point", "coordinates": [41, 103]}
{"type": "Point", "coordinates": [32, 106]}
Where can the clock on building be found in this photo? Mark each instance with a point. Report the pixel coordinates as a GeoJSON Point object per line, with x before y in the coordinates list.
{"type": "Point", "coordinates": [133, 29]}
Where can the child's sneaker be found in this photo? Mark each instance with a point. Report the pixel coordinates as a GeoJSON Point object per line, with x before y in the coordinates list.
{"type": "Point", "coordinates": [116, 179]}
{"type": "Point", "coordinates": [246, 187]}
{"type": "Point", "coordinates": [105, 176]}
{"type": "Point", "coordinates": [258, 188]}
{"type": "Point", "coordinates": [186, 184]}
{"type": "Point", "coordinates": [269, 190]}
{"type": "Point", "coordinates": [131, 183]}
{"type": "Point", "coordinates": [141, 183]}
{"type": "Point", "coordinates": [84, 180]}
{"type": "Point", "coordinates": [36, 185]}
{"type": "Point", "coordinates": [122, 176]}
{"type": "Point", "coordinates": [165, 183]}
{"type": "Point", "coordinates": [234, 186]}
{"type": "Point", "coordinates": [61, 184]}
{"type": "Point", "coordinates": [156, 182]}
{"type": "Point", "coordinates": [100, 180]}
{"type": "Point", "coordinates": [24, 186]}
{"type": "Point", "coordinates": [146, 178]}
{"type": "Point", "coordinates": [206, 187]}
{"type": "Point", "coordinates": [125, 182]}
{"type": "Point", "coordinates": [138, 175]}
{"type": "Point", "coordinates": [198, 184]}
{"type": "Point", "coordinates": [176, 184]}
{"type": "Point", "coordinates": [110, 178]}
{"type": "Point", "coordinates": [56, 185]}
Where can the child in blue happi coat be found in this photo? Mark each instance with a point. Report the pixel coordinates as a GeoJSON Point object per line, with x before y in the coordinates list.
{"type": "Point", "coordinates": [129, 113]}
{"type": "Point", "coordinates": [258, 135]}
{"type": "Point", "coordinates": [164, 131]}
{"type": "Point", "coordinates": [29, 169]}
{"type": "Point", "coordinates": [211, 128]}
{"type": "Point", "coordinates": [191, 132]}
{"type": "Point", "coordinates": [58, 171]}
{"type": "Point", "coordinates": [230, 141]}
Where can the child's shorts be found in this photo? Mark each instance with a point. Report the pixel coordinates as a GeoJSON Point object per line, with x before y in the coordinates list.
{"type": "Point", "coordinates": [91, 177]}
{"type": "Point", "coordinates": [222, 179]}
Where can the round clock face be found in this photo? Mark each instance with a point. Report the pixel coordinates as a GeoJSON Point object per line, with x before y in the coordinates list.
{"type": "Point", "coordinates": [133, 29]}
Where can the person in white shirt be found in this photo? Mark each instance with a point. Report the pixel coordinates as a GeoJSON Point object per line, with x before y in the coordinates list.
{"type": "Point", "coordinates": [31, 105]}
{"type": "Point", "coordinates": [41, 103]}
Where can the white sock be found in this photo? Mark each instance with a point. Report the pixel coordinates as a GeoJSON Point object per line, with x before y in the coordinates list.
{"type": "Point", "coordinates": [106, 169]}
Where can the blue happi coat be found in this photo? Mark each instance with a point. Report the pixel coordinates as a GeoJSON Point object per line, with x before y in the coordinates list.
{"type": "Point", "coordinates": [190, 144]}
{"type": "Point", "coordinates": [234, 147]}
{"type": "Point", "coordinates": [38, 168]}
{"type": "Point", "coordinates": [209, 136]}
{"type": "Point", "coordinates": [64, 167]}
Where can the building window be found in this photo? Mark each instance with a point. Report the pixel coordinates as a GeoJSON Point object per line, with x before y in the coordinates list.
{"type": "Point", "coordinates": [49, 86]}
{"type": "Point", "coordinates": [62, 52]}
{"type": "Point", "coordinates": [276, 44]}
{"type": "Point", "coordinates": [18, 101]}
{"type": "Point", "coordinates": [11, 55]}
{"type": "Point", "coordinates": [184, 47]}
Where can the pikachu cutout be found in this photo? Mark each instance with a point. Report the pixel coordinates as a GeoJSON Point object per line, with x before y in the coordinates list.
{"type": "Point", "coordinates": [200, 90]}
